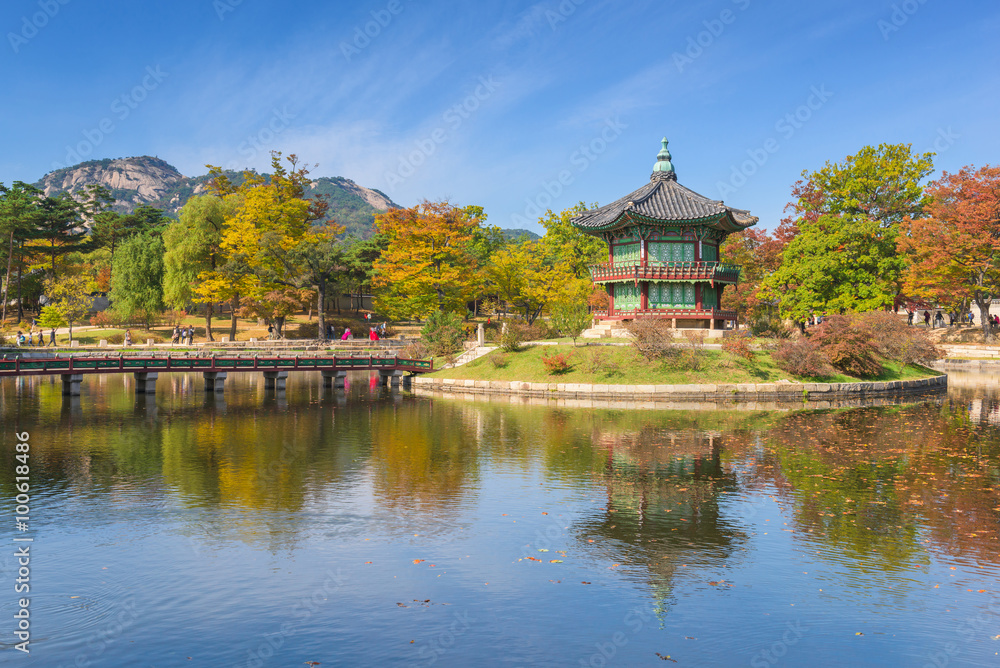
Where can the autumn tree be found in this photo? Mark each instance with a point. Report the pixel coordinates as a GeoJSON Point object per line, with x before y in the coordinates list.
{"type": "Point", "coordinates": [954, 249]}
{"type": "Point", "coordinates": [568, 244]}
{"type": "Point", "coordinates": [428, 264]}
{"type": "Point", "coordinates": [270, 218]}
{"type": "Point", "coordinates": [758, 255]}
{"type": "Point", "coordinates": [843, 254]}
{"type": "Point", "coordinates": [534, 274]}
{"type": "Point", "coordinates": [70, 295]}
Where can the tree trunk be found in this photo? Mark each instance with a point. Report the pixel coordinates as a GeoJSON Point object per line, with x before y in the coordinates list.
{"type": "Point", "coordinates": [235, 304]}
{"type": "Point", "coordinates": [984, 315]}
{"type": "Point", "coordinates": [321, 310]}
{"type": "Point", "coordinates": [20, 273]}
{"type": "Point", "coordinates": [6, 283]}
{"type": "Point", "coordinates": [209, 311]}
{"type": "Point", "coordinates": [279, 326]}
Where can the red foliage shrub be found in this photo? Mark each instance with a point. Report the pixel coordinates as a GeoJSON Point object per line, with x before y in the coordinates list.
{"type": "Point", "coordinates": [899, 342]}
{"type": "Point", "coordinates": [557, 363]}
{"type": "Point", "coordinates": [740, 345]}
{"type": "Point", "coordinates": [850, 345]}
{"type": "Point", "coordinates": [801, 357]}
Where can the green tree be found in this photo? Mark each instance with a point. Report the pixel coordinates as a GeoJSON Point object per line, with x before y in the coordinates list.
{"type": "Point", "coordinates": [570, 319]}
{"type": "Point", "coordinates": [60, 227]}
{"type": "Point", "coordinates": [137, 277]}
{"type": "Point", "coordinates": [568, 244]}
{"type": "Point", "coordinates": [193, 245]}
{"type": "Point", "coordinates": [842, 255]}
{"type": "Point", "coordinates": [19, 211]}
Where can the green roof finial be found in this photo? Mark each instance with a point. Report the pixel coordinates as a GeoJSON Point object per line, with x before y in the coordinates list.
{"type": "Point", "coordinates": [663, 164]}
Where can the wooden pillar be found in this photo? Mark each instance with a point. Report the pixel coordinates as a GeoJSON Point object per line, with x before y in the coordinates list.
{"type": "Point", "coordinates": [644, 296]}
{"type": "Point", "coordinates": [697, 296]}
{"type": "Point", "coordinates": [611, 298]}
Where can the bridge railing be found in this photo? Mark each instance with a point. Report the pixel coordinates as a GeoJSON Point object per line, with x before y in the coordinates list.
{"type": "Point", "coordinates": [123, 364]}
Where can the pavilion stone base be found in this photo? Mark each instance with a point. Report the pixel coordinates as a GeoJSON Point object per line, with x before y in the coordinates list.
{"type": "Point", "coordinates": [605, 329]}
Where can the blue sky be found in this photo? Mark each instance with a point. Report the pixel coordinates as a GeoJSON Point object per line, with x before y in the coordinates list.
{"type": "Point", "coordinates": [515, 106]}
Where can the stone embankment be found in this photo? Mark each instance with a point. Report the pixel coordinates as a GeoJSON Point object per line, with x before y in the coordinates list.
{"type": "Point", "coordinates": [760, 392]}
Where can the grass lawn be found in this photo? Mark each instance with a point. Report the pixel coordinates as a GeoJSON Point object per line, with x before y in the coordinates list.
{"type": "Point", "coordinates": [623, 366]}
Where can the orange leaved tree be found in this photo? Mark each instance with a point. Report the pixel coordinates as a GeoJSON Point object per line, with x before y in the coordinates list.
{"type": "Point", "coordinates": [429, 264]}
{"type": "Point", "coordinates": [954, 252]}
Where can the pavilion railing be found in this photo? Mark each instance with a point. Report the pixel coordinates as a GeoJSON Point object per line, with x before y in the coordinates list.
{"type": "Point", "coordinates": [680, 314]}
{"type": "Point", "coordinates": [665, 271]}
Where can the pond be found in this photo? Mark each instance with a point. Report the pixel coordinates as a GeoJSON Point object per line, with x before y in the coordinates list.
{"type": "Point", "coordinates": [377, 528]}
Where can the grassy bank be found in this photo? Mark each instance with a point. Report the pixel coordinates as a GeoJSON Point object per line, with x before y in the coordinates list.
{"type": "Point", "coordinates": [621, 365]}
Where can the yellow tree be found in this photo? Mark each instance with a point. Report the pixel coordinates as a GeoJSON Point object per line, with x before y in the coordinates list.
{"type": "Point", "coordinates": [532, 275]}
{"type": "Point", "coordinates": [270, 219]}
{"type": "Point", "coordinates": [429, 264]}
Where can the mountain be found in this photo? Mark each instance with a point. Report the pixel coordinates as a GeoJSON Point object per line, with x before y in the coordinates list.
{"type": "Point", "coordinates": [519, 235]}
{"type": "Point", "coordinates": [147, 180]}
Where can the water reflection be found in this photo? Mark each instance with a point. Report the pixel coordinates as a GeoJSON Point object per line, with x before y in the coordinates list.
{"type": "Point", "coordinates": [648, 501]}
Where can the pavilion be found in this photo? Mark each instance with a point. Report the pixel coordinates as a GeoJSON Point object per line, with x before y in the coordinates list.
{"type": "Point", "coordinates": [663, 252]}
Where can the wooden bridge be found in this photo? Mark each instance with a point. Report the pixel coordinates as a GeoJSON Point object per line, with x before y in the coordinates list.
{"type": "Point", "coordinates": [213, 368]}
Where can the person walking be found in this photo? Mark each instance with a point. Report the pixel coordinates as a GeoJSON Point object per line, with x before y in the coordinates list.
{"type": "Point", "coordinates": [372, 334]}
{"type": "Point", "coordinates": [52, 337]}
{"type": "Point", "coordinates": [128, 338]}
{"type": "Point", "coordinates": [927, 319]}
{"type": "Point", "coordinates": [909, 317]}
{"type": "Point", "coordinates": [175, 336]}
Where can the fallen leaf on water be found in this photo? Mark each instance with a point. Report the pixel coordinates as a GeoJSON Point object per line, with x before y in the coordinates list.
{"type": "Point", "coordinates": [585, 583]}
{"type": "Point", "coordinates": [417, 561]}
{"type": "Point", "coordinates": [368, 562]}
{"type": "Point", "coordinates": [74, 597]}
{"type": "Point", "coordinates": [311, 663]}
{"type": "Point", "coordinates": [980, 591]}
{"type": "Point", "coordinates": [402, 605]}
{"type": "Point", "coordinates": [665, 657]}
{"type": "Point", "coordinates": [534, 559]}
{"type": "Point", "coordinates": [555, 561]}
{"type": "Point", "coordinates": [544, 513]}
{"type": "Point", "coordinates": [541, 550]}
{"type": "Point", "coordinates": [859, 633]}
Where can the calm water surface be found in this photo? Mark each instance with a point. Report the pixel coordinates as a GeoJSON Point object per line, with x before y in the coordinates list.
{"type": "Point", "coordinates": [371, 528]}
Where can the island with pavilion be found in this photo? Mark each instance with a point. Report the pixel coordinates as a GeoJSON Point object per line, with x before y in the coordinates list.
{"type": "Point", "coordinates": [663, 254]}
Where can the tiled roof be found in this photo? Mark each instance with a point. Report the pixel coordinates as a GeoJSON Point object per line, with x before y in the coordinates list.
{"type": "Point", "coordinates": [663, 199]}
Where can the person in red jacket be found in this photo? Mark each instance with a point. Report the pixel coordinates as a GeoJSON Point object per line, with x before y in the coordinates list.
{"type": "Point", "coordinates": [372, 334]}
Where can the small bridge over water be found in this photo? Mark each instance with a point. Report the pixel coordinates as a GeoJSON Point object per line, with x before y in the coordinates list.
{"type": "Point", "coordinates": [214, 369]}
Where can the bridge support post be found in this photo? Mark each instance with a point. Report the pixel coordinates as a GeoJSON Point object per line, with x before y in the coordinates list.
{"type": "Point", "coordinates": [71, 384]}
{"type": "Point", "coordinates": [333, 378]}
{"type": "Point", "coordinates": [390, 375]}
{"type": "Point", "coordinates": [145, 382]}
{"type": "Point", "coordinates": [275, 380]}
{"type": "Point", "coordinates": [215, 381]}
{"type": "Point", "coordinates": [407, 382]}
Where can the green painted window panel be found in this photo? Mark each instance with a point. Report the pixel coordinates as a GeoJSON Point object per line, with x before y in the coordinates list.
{"type": "Point", "coordinates": [709, 253]}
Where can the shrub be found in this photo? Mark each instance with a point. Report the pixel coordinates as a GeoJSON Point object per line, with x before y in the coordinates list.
{"type": "Point", "coordinates": [653, 339]}
{"type": "Point", "coordinates": [801, 357]}
{"type": "Point", "coordinates": [416, 349]}
{"type": "Point", "coordinates": [597, 360]}
{"type": "Point", "coordinates": [557, 363]}
{"type": "Point", "coordinates": [103, 320]}
{"type": "Point", "coordinates": [570, 319]}
{"type": "Point", "coordinates": [769, 326]}
{"type": "Point", "coordinates": [443, 333]}
{"type": "Point", "coordinates": [695, 337]}
{"type": "Point", "coordinates": [689, 359]}
{"type": "Point", "coordinates": [849, 345]}
{"type": "Point", "coordinates": [897, 341]}
{"type": "Point", "coordinates": [740, 345]}
{"type": "Point", "coordinates": [499, 360]}
{"type": "Point", "coordinates": [512, 335]}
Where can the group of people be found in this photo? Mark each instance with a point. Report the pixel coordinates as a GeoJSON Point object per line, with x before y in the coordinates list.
{"type": "Point", "coordinates": [28, 340]}
{"type": "Point", "coordinates": [937, 320]}
{"type": "Point", "coordinates": [374, 333]}
{"type": "Point", "coordinates": [183, 335]}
